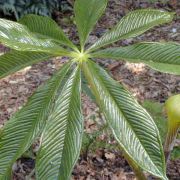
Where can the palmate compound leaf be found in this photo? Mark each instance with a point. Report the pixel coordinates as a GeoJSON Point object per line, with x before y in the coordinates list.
{"type": "Point", "coordinates": [16, 60]}
{"type": "Point", "coordinates": [87, 13]}
{"type": "Point", "coordinates": [21, 130]}
{"type": "Point", "coordinates": [18, 37]}
{"type": "Point", "coordinates": [131, 125]}
{"type": "Point", "coordinates": [61, 140]}
{"type": "Point", "coordinates": [47, 27]}
{"type": "Point", "coordinates": [163, 57]}
{"type": "Point", "coordinates": [132, 25]}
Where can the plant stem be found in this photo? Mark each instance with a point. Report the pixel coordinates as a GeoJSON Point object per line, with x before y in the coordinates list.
{"type": "Point", "coordinates": [137, 170]}
{"type": "Point", "coordinates": [170, 140]}
{"type": "Point", "coordinates": [30, 175]}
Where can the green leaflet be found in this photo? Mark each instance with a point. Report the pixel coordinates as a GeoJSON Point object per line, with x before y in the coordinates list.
{"type": "Point", "coordinates": [165, 68]}
{"type": "Point", "coordinates": [131, 125]}
{"type": "Point", "coordinates": [168, 53]}
{"type": "Point", "coordinates": [16, 60]}
{"type": "Point", "coordinates": [47, 27]}
{"type": "Point", "coordinates": [21, 130]}
{"type": "Point", "coordinates": [163, 57]}
{"type": "Point", "coordinates": [87, 14]}
{"type": "Point", "coordinates": [61, 140]}
{"type": "Point", "coordinates": [132, 25]}
{"type": "Point", "coordinates": [18, 37]}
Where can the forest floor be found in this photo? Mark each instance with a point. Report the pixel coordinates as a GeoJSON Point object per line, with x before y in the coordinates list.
{"type": "Point", "coordinates": [102, 161]}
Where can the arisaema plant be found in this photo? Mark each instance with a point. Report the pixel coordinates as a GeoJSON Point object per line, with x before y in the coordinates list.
{"type": "Point", "coordinates": [172, 107]}
{"type": "Point", "coordinates": [53, 112]}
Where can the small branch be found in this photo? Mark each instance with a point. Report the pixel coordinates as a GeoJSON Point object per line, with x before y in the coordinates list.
{"type": "Point", "coordinates": [30, 175]}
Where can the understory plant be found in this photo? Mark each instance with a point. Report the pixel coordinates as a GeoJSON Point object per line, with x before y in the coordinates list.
{"type": "Point", "coordinates": [173, 113]}
{"type": "Point", "coordinates": [54, 113]}
{"type": "Point", "coordinates": [19, 8]}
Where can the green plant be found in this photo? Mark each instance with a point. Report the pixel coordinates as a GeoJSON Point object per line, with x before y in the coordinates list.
{"type": "Point", "coordinates": [175, 154]}
{"type": "Point", "coordinates": [173, 113]}
{"type": "Point", "coordinates": [90, 142]}
{"type": "Point", "coordinates": [157, 111]}
{"type": "Point", "coordinates": [20, 8]}
{"type": "Point", "coordinates": [161, 1]}
{"type": "Point", "coordinates": [54, 110]}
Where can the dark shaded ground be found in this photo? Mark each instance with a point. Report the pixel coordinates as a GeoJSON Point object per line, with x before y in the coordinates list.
{"type": "Point", "coordinates": [144, 83]}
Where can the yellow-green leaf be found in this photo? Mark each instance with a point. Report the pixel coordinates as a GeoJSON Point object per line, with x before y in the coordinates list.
{"type": "Point", "coordinates": [131, 125]}
{"type": "Point", "coordinates": [18, 37]}
{"type": "Point", "coordinates": [61, 140]}
{"type": "Point", "coordinates": [132, 25]}
{"type": "Point", "coordinates": [87, 13]}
